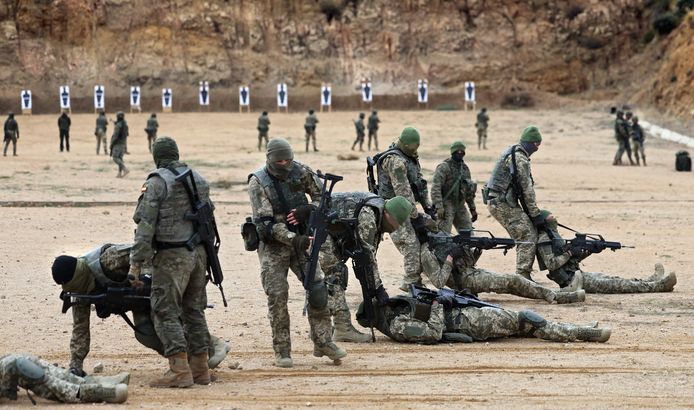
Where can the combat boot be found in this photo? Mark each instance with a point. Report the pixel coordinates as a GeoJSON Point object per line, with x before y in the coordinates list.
{"type": "Point", "coordinates": [283, 359]}
{"type": "Point", "coordinates": [667, 283]}
{"type": "Point", "coordinates": [331, 350]}
{"type": "Point", "coordinates": [97, 393]}
{"type": "Point", "coordinates": [179, 374]}
{"type": "Point", "coordinates": [589, 334]}
{"type": "Point", "coordinates": [345, 332]}
{"type": "Point", "coordinates": [120, 378]}
{"type": "Point", "coordinates": [200, 369]}
{"type": "Point", "coordinates": [570, 297]}
{"type": "Point", "coordinates": [644, 161]}
{"type": "Point", "coordinates": [221, 349]}
{"type": "Point", "coordinates": [659, 273]}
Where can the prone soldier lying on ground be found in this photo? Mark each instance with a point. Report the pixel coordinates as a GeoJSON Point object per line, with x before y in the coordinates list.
{"type": "Point", "coordinates": [562, 258]}
{"type": "Point", "coordinates": [95, 274]}
{"type": "Point", "coordinates": [450, 261]}
{"type": "Point", "coordinates": [55, 383]}
{"type": "Point", "coordinates": [429, 317]}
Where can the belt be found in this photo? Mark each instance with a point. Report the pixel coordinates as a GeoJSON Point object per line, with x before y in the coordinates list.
{"type": "Point", "coordinates": [170, 245]}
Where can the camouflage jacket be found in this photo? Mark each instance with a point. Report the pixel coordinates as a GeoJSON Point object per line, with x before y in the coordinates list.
{"type": "Point", "coordinates": [452, 181]}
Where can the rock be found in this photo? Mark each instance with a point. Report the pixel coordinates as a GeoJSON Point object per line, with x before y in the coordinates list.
{"type": "Point", "coordinates": [98, 368]}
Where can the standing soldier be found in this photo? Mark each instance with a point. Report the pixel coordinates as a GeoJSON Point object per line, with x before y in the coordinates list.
{"type": "Point", "coordinates": [359, 128]}
{"type": "Point", "coordinates": [165, 240]}
{"type": "Point", "coordinates": [638, 137]}
{"type": "Point", "coordinates": [482, 124]}
{"type": "Point", "coordinates": [64, 123]}
{"type": "Point", "coordinates": [276, 190]}
{"type": "Point", "coordinates": [100, 131]}
{"type": "Point", "coordinates": [399, 174]}
{"type": "Point", "coordinates": [310, 127]}
{"type": "Point", "coordinates": [372, 125]}
{"type": "Point", "coordinates": [511, 184]}
{"type": "Point", "coordinates": [151, 130]}
{"type": "Point", "coordinates": [119, 143]}
{"type": "Point", "coordinates": [451, 189]}
{"type": "Point", "coordinates": [621, 134]}
{"type": "Point", "coordinates": [263, 128]}
{"type": "Point", "coordinates": [11, 131]}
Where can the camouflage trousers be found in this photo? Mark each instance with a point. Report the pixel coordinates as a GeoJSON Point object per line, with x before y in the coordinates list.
{"type": "Point", "coordinates": [117, 153]}
{"type": "Point", "coordinates": [262, 135]}
{"type": "Point", "coordinates": [151, 137]}
{"type": "Point", "coordinates": [520, 228]}
{"type": "Point", "coordinates": [100, 135]}
{"type": "Point", "coordinates": [405, 240]}
{"type": "Point", "coordinates": [58, 384]}
{"type": "Point", "coordinates": [311, 137]}
{"type": "Point", "coordinates": [6, 143]}
{"type": "Point", "coordinates": [491, 323]}
{"type": "Point", "coordinates": [336, 278]}
{"type": "Point", "coordinates": [622, 146]}
{"type": "Point", "coordinates": [179, 300]}
{"type": "Point", "coordinates": [481, 138]}
{"type": "Point", "coordinates": [455, 215]}
{"type": "Point", "coordinates": [601, 283]}
{"type": "Point", "coordinates": [482, 281]}
{"type": "Point", "coordinates": [637, 148]}
{"type": "Point", "coordinates": [373, 134]}
{"type": "Point", "coordinates": [275, 261]}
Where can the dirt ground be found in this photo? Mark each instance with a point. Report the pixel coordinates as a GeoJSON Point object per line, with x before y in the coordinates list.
{"type": "Point", "coordinates": [55, 203]}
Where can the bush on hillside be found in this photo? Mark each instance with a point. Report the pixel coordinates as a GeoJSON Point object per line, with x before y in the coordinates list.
{"type": "Point", "coordinates": [664, 23]}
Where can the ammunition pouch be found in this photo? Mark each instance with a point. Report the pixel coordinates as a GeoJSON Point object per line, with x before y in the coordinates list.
{"type": "Point", "coordinates": [249, 232]}
{"type": "Point", "coordinates": [561, 276]}
{"type": "Point", "coordinates": [30, 371]}
{"type": "Point", "coordinates": [318, 295]}
{"type": "Point", "coordinates": [263, 228]}
{"type": "Point", "coordinates": [529, 321]}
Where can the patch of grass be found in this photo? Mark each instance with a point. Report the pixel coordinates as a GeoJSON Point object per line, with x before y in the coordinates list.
{"type": "Point", "coordinates": [226, 184]}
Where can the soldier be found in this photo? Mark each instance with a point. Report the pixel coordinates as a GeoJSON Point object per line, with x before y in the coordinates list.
{"type": "Point", "coordinates": [451, 189]}
{"type": "Point", "coordinates": [151, 130]}
{"type": "Point", "coordinates": [638, 137]}
{"type": "Point", "coordinates": [119, 143]}
{"type": "Point", "coordinates": [310, 127]}
{"type": "Point", "coordinates": [276, 190]}
{"type": "Point", "coordinates": [359, 128]}
{"type": "Point", "coordinates": [372, 125]}
{"type": "Point", "coordinates": [364, 217]}
{"type": "Point", "coordinates": [512, 182]}
{"type": "Point", "coordinates": [64, 123]}
{"type": "Point", "coordinates": [103, 267]}
{"type": "Point", "coordinates": [100, 131]}
{"type": "Point", "coordinates": [621, 133]}
{"type": "Point", "coordinates": [563, 265]}
{"type": "Point", "coordinates": [263, 128]}
{"type": "Point", "coordinates": [399, 174]}
{"type": "Point", "coordinates": [165, 240]}
{"type": "Point", "coordinates": [11, 131]}
{"type": "Point", "coordinates": [408, 320]}
{"type": "Point", "coordinates": [482, 124]}
{"type": "Point", "coordinates": [55, 383]}
{"type": "Point", "coordinates": [449, 264]}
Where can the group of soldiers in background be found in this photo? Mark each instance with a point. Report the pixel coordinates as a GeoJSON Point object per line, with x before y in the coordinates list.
{"type": "Point", "coordinates": [372, 126]}
{"type": "Point", "coordinates": [626, 128]}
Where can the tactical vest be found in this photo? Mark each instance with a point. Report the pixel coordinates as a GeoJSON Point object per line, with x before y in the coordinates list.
{"type": "Point", "coordinates": [105, 278]}
{"type": "Point", "coordinates": [400, 305]}
{"type": "Point", "coordinates": [293, 189]}
{"type": "Point", "coordinates": [172, 226]}
{"type": "Point", "coordinates": [11, 125]}
{"type": "Point", "coordinates": [348, 204]}
{"type": "Point", "coordinates": [385, 187]}
{"type": "Point", "coordinates": [458, 170]}
{"type": "Point", "coordinates": [501, 177]}
{"type": "Point", "coordinates": [152, 124]}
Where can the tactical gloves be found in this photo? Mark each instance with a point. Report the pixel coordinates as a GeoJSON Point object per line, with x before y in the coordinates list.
{"type": "Point", "coordinates": [473, 214]}
{"type": "Point", "coordinates": [445, 301]}
{"type": "Point", "coordinates": [457, 252]}
{"type": "Point", "coordinates": [301, 242]}
{"type": "Point", "coordinates": [302, 213]}
{"type": "Point", "coordinates": [539, 221]}
{"type": "Point", "coordinates": [381, 296]}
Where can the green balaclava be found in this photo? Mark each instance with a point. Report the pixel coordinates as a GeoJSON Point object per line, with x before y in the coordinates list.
{"type": "Point", "coordinates": [164, 151]}
{"type": "Point", "coordinates": [399, 208]}
{"type": "Point", "coordinates": [409, 141]}
{"type": "Point", "coordinates": [278, 149]}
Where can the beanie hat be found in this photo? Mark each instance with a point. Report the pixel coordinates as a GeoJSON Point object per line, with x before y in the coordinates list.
{"type": "Point", "coordinates": [164, 151]}
{"type": "Point", "coordinates": [531, 134]}
{"type": "Point", "coordinates": [457, 146]}
{"type": "Point", "coordinates": [63, 269]}
{"type": "Point", "coordinates": [409, 135]}
{"type": "Point", "coordinates": [278, 149]}
{"type": "Point", "coordinates": [400, 208]}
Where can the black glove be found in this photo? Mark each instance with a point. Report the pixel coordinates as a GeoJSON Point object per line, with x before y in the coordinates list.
{"type": "Point", "coordinates": [457, 252]}
{"type": "Point", "coordinates": [538, 221]}
{"type": "Point", "coordinates": [303, 212]}
{"type": "Point", "coordinates": [445, 301]}
{"type": "Point", "coordinates": [473, 214]}
{"type": "Point", "coordinates": [78, 372]}
{"type": "Point", "coordinates": [420, 228]}
{"type": "Point", "coordinates": [382, 296]}
{"type": "Point", "coordinates": [300, 242]}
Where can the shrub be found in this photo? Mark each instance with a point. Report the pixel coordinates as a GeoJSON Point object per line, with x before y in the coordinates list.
{"type": "Point", "coordinates": [332, 9]}
{"type": "Point", "coordinates": [519, 99]}
{"type": "Point", "coordinates": [648, 37]}
{"type": "Point", "coordinates": [664, 23]}
{"type": "Point", "coordinates": [573, 11]}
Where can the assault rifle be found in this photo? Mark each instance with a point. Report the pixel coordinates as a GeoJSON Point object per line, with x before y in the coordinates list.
{"type": "Point", "coordinates": [592, 243]}
{"type": "Point", "coordinates": [460, 298]}
{"type": "Point", "coordinates": [206, 232]}
{"type": "Point", "coordinates": [113, 301]}
{"type": "Point", "coordinates": [318, 222]}
{"type": "Point", "coordinates": [362, 266]}
{"type": "Point", "coordinates": [370, 177]}
{"type": "Point", "coordinates": [465, 237]}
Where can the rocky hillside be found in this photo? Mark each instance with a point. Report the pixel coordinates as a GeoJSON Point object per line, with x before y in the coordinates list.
{"type": "Point", "coordinates": [513, 49]}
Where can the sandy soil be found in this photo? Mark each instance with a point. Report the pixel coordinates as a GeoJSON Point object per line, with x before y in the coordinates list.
{"type": "Point", "coordinates": [57, 203]}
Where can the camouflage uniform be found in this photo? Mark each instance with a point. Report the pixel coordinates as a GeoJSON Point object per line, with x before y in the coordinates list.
{"type": "Point", "coordinates": [178, 296]}
{"type": "Point", "coordinates": [397, 172]}
{"type": "Point", "coordinates": [56, 384]}
{"type": "Point", "coordinates": [404, 323]}
{"type": "Point", "coordinates": [11, 134]}
{"type": "Point", "coordinates": [372, 126]}
{"type": "Point", "coordinates": [100, 132]}
{"type": "Point", "coordinates": [119, 142]}
{"type": "Point", "coordinates": [621, 133]}
{"type": "Point", "coordinates": [277, 255]}
{"type": "Point", "coordinates": [482, 125]}
{"type": "Point", "coordinates": [507, 211]}
{"type": "Point", "coordinates": [359, 128]}
{"type": "Point", "coordinates": [560, 262]}
{"type": "Point", "coordinates": [96, 270]}
{"type": "Point", "coordinates": [310, 128]}
{"type": "Point", "coordinates": [452, 187]}
{"type": "Point", "coordinates": [64, 123]}
{"type": "Point", "coordinates": [637, 138]}
{"type": "Point", "coordinates": [462, 274]}
{"type": "Point", "coordinates": [151, 130]}
{"type": "Point", "coordinates": [263, 128]}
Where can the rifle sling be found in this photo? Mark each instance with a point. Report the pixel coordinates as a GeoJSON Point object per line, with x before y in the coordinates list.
{"type": "Point", "coordinates": [516, 185]}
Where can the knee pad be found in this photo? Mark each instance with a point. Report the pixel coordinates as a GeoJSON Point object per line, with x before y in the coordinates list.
{"type": "Point", "coordinates": [529, 319]}
{"type": "Point", "coordinates": [318, 295]}
{"type": "Point", "coordinates": [30, 371]}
